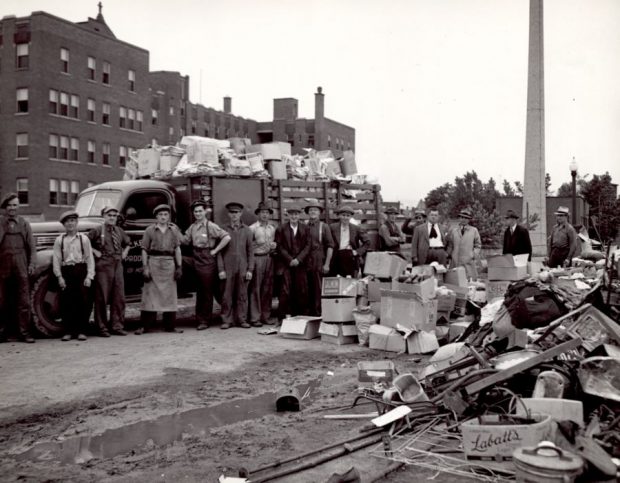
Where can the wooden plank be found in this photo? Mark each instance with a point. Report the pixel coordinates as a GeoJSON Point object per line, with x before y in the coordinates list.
{"type": "Point", "coordinates": [522, 366]}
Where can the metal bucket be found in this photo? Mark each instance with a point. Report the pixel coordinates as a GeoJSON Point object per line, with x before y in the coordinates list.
{"type": "Point", "coordinates": [288, 400]}
{"type": "Point", "coordinates": [546, 463]}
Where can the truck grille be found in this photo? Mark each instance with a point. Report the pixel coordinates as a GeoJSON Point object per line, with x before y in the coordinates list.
{"type": "Point", "coordinates": [45, 241]}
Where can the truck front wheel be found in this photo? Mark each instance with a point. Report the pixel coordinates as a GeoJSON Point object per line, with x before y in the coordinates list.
{"type": "Point", "coordinates": [45, 305]}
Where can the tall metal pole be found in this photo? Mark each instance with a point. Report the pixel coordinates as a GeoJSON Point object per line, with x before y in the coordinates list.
{"type": "Point", "coordinates": [573, 173]}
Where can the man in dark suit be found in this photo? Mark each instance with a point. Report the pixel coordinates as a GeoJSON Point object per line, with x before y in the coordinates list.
{"type": "Point", "coordinates": [516, 237]}
{"type": "Point", "coordinates": [351, 244]}
{"type": "Point", "coordinates": [429, 242]}
{"type": "Point", "coordinates": [293, 246]}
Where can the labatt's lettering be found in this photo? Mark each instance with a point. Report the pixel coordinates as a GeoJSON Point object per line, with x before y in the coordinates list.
{"type": "Point", "coordinates": [483, 444]}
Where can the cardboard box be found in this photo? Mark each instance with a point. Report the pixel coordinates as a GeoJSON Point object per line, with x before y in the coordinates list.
{"type": "Point", "coordinates": [507, 267]}
{"type": "Point", "coordinates": [271, 151]}
{"type": "Point", "coordinates": [534, 267]}
{"type": "Point", "coordinates": [339, 287]}
{"type": "Point", "coordinates": [386, 339]}
{"type": "Point", "coordinates": [496, 289]}
{"type": "Point", "coordinates": [348, 165]}
{"type": "Point", "coordinates": [460, 304]}
{"type": "Point", "coordinates": [384, 264]}
{"type": "Point", "coordinates": [332, 168]}
{"type": "Point", "coordinates": [456, 276]}
{"type": "Point", "coordinates": [374, 290]}
{"type": "Point", "coordinates": [168, 162]}
{"type": "Point", "coordinates": [422, 342]}
{"type": "Point", "coordinates": [493, 437]}
{"type": "Point", "coordinates": [339, 334]}
{"type": "Point", "coordinates": [407, 310]}
{"type": "Point", "coordinates": [371, 372]}
{"type": "Point", "coordinates": [338, 309]}
{"type": "Point", "coordinates": [445, 302]}
{"type": "Point", "coordinates": [148, 161]}
{"type": "Point", "coordinates": [300, 327]}
{"type": "Point", "coordinates": [201, 150]}
{"type": "Point", "coordinates": [425, 289]}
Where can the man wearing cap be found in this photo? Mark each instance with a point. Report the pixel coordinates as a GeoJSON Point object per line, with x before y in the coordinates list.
{"type": "Point", "coordinates": [350, 244]}
{"type": "Point", "coordinates": [17, 261]}
{"type": "Point", "coordinates": [264, 246]}
{"type": "Point", "coordinates": [516, 237]}
{"type": "Point", "coordinates": [562, 243]}
{"type": "Point", "coordinates": [110, 245]}
{"type": "Point", "coordinates": [161, 265]}
{"type": "Point", "coordinates": [206, 240]}
{"type": "Point", "coordinates": [429, 241]}
{"type": "Point", "coordinates": [320, 256]}
{"type": "Point", "coordinates": [419, 217]}
{"type": "Point", "coordinates": [390, 235]}
{"type": "Point", "coordinates": [237, 265]}
{"type": "Point", "coordinates": [293, 240]}
{"type": "Point", "coordinates": [464, 244]}
{"type": "Point", "coordinates": [74, 267]}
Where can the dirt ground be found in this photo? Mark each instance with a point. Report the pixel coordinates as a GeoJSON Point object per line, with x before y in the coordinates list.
{"type": "Point", "coordinates": [179, 407]}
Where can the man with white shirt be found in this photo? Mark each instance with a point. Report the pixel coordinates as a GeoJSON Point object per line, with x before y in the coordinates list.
{"type": "Point", "coordinates": [293, 245]}
{"type": "Point", "coordinates": [261, 287]}
{"type": "Point", "coordinates": [351, 244]}
{"type": "Point", "coordinates": [74, 267]}
{"type": "Point", "coordinates": [429, 241]}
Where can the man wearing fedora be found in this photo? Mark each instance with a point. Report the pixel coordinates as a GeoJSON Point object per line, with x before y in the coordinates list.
{"type": "Point", "coordinates": [350, 244]}
{"type": "Point", "coordinates": [562, 243]}
{"type": "Point", "coordinates": [206, 240]}
{"type": "Point", "coordinates": [419, 217]}
{"type": "Point", "coordinates": [17, 262]}
{"type": "Point", "coordinates": [319, 259]}
{"type": "Point", "coordinates": [464, 244]}
{"type": "Point", "coordinates": [162, 267]}
{"type": "Point", "coordinates": [390, 235]}
{"type": "Point", "coordinates": [293, 240]}
{"type": "Point", "coordinates": [516, 237]}
{"type": "Point", "coordinates": [74, 267]}
{"type": "Point", "coordinates": [429, 241]}
{"type": "Point", "coordinates": [264, 246]}
{"type": "Point", "coordinates": [110, 246]}
{"type": "Point", "coordinates": [236, 264]}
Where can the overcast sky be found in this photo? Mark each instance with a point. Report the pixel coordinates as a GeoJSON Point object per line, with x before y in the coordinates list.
{"type": "Point", "coordinates": [433, 87]}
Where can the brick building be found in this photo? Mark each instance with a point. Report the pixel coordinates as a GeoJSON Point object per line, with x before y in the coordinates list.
{"type": "Point", "coordinates": [72, 106]}
{"type": "Point", "coordinates": [75, 101]}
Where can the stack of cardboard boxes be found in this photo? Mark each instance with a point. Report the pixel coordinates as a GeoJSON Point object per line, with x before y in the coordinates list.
{"type": "Point", "coordinates": [504, 270]}
{"type": "Point", "coordinates": [338, 300]}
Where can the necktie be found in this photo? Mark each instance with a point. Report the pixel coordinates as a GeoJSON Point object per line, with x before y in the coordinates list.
{"type": "Point", "coordinates": [433, 232]}
{"type": "Point", "coordinates": [116, 243]}
{"type": "Point", "coordinates": [462, 230]}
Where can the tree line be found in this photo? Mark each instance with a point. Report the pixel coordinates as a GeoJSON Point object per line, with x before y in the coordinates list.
{"type": "Point", "coordinates": [470, 191]}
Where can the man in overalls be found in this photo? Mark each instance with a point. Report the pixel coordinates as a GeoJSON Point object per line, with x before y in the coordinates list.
{"type": "Point", "coordinates": [74, 267]}
{"type": "Point", "coordinates": [319, 259]}
{"type": "Point", "coordinates": [110, 246]}
{"type": "Point", "coordinates": [17, 259]}
{"type": "Point", "coordinates": [161, 264]}
{"type": "Point", "coordinates": [261, 287]}
{"type": "Point", "coordinates": [237, 262]}
{"type": "Point", "coordinates": [206, 240]}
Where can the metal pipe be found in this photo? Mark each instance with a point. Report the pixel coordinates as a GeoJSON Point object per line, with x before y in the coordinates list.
{"type": "Point", "coordinates": [346, 449]}
{"type": "Point", "coordinates": [318, 450]}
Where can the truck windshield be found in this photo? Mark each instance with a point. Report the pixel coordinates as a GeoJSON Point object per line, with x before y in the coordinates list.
{"type": "Point", "coordinates": [91, 203]}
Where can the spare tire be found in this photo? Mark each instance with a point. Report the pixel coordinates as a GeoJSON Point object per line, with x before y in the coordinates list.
{"type": "Point", "coordinates": [45, 305]}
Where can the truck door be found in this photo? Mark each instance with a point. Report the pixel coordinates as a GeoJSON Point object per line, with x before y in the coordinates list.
{"type": "Point", "coordinates": [137, 215]}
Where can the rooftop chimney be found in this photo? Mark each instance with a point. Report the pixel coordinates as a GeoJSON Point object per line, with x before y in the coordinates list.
{"type": "Point", "coordinates": [227, 105]}
{"type": "Point", "coordinates": [319, 103]}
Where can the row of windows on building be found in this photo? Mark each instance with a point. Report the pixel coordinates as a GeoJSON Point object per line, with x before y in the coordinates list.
{"type": "Point", "coordinates": [339, 143]}
{"type": "Point", "coordinates": [67, 148]}
{"type": "Point", "coordinates": [62, 192]}
{"type": "Point", "coordinates": [22, 61]}
{"type": "Point", "coordinates": [68, 105]}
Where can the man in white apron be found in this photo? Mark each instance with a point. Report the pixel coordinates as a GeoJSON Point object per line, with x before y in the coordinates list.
{"type": "Point", "coordinates": [161, 263]}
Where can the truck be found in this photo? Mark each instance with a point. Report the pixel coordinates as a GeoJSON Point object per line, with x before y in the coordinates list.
{"type": "Point", "coordinates": [136, 199]}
